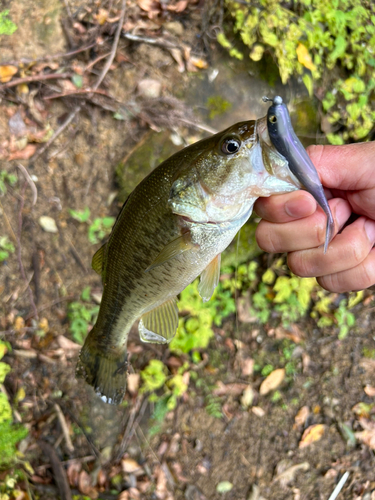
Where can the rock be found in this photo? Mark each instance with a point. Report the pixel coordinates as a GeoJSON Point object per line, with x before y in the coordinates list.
{"type": "Point", "coordinates": [48, 224]}
{"type": "Point", "coordinates": [149, 88]}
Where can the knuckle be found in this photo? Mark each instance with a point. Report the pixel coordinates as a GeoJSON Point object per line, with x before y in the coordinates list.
{"type": "Point", "coordinates": [358, 246]}
{"type": "Point", "coordinates": [368, 274]}
{"type": "Point", "coordinates": [265, 238]}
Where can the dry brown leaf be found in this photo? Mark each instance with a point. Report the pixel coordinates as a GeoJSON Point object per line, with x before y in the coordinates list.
{"type": "Point", "coordinates": [224, 389]}
{"type": "Point", "coordinates": [293, 333]}
{"type": "Point", "coordinates": [85, 486]}
{"type": "Point", "coordinates": [133, 383]}
{"type": "Point", "coordinates": [180, 6]}
{"type": "Point", "coordinates": [24, 154]}
{"type": "Point", "coordinates": [129, 465]}
{"type": "Point", "coordinates": [6, 73]}
{"type": "Point", "coordinates": [287, 476]}
{"type": "Point", "coordinates": [312, 434]}
{"type": "Point", "coordinates": [369, 390]}
{"type": "Point", "coordinates": [301, 416]}
{"type": "Point", "coordinates": [101, 16]}
{"type": "Point", "coordinates": [258, 411]}
{"type": "Point", "coordinates": [367, 436]}
{"type": "Point", "coordinates": [198, 62]}
{"type": "Point", "coordinates": [19, 324]}
{"type": "Point", "coordinates": [272, 382]}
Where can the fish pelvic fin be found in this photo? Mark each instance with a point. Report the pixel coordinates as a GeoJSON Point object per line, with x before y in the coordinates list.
{"type": "Point", "coordinates": [209, 279]}
{"type": "Point", "coordinates": [159, 325]}
{"type": "Point", "coordinates": [98, 260]}
{"type": "Point", "coordinates": [106, 372]}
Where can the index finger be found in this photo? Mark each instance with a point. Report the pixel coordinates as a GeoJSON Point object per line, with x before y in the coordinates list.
{"type": "Point", "coordinates": [348, 167]}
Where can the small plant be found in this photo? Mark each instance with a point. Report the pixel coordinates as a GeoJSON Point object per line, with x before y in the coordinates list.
{"type": "Point", "coordinates": [6, 177]}
{"type": "Point", "coordinates": [330, 45]}
{"type": "Point", "coordinates": [10, 434]}
{"type": "Point", "coordinates": [6, 248]}
{"type": "Point", "coordinates": [81, 315]}
{"type": "Point", "coordinates": [7, 27]}
{"type": "Point", "coordinates": [98, 229]}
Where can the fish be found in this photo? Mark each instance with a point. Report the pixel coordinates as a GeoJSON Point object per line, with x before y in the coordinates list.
{"type": "Point", "coordinates": [286, 142]}
{"type": "Point", "coordinates": [173, 228]}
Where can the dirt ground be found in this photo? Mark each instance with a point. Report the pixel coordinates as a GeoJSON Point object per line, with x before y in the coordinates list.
{"type": "Point", "coordinates": [252, 451]}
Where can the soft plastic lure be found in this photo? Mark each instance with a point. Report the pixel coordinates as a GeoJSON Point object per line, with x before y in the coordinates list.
{"type": "Point", "coordinates": [286, 142]}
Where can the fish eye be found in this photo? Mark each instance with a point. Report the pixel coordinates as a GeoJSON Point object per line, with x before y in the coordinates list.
{"type": "Point", "coordinates": [230, 146]}
{"type": "Point", "coordinates": [273, 119]}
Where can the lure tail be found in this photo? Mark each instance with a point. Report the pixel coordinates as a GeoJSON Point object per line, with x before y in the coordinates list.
{"type": "Point", "coordinates": [105, 371]}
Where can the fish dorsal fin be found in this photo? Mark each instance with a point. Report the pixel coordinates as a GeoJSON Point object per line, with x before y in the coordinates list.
{"type": "Point", "coordinates": [172, 250]}
{"type": "Point", "coordinates": [160, 324]}
{"type": "Point", "coordinates": [209, 279]}
{"type": "Point", "coordinates": [98, 260]}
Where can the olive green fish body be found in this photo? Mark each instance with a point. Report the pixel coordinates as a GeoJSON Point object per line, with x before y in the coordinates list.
{"type": "Point", "coordinates": [173, 228]}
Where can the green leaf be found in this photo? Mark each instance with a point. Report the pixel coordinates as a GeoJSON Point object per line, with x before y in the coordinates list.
{"type": "Point", "coordinates": [80, 215]}
{"type": "Point", "coordinates": [7, 27]}
{"type": "Point", "coordinates": [77, 81]}
{"type": "Point", "coordinates": [308, 81]}
{"type": "Point", "coordinates": [4, 370]}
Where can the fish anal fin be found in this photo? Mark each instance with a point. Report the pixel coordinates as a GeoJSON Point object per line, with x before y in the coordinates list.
{"type": "Point", "coordinates": [98, 260]}
{"type": "Point", "coordinates": [209, 279]}
{"type": "Point", "coordinates": [172, 250]}
{"type": "Point", "coordinates": [159, 325]}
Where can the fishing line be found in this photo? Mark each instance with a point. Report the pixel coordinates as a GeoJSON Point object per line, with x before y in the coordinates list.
{"type": "Point", "coordinates": [235, 282]}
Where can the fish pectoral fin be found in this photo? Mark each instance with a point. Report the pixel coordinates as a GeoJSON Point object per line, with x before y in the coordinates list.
{"type": "Point", "coordinates": [159, 325]}
{"type": "Point", "coordinates": [98, 260]}
{"type": "Point", "coordinates": [209, 279]}
{"type": "Point", "coordinates": [172, 250]}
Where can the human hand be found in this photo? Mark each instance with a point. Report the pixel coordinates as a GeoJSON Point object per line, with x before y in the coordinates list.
{"type": "Point", "coordinates": [293, 223]}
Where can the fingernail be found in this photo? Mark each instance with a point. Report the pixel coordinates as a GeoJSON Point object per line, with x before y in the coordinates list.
{"type": "Point", "coordinates": [299, 207]}
{"type": "Point", "coordinates": [370, 230]}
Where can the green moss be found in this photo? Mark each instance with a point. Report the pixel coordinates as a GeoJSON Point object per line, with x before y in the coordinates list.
{"type": "Point", "coordinates": [217, 106]}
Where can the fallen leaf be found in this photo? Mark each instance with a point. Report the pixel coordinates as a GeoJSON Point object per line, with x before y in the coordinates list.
{"type": "Point", "coordinates": [247, 397]}
{"type": "Point", "coordinates": [24, 154]}
{"type": "Point", "coordinates": [272, 382]}
{"type": "Point", "coordinates": [258, 411]}
{"type": "Point", "coordinates": [286, 477]}
{"type": "Point", "coordinates": [180, 6]}
{"type": "Point", "coordinates": [312, 434]}
{"type": "Point", "coordinates": [6, 73]}
{"type": "Point", "coordinates": [304, 57]}
{"type": "Point", "coordinates": [369, 390]}
{"type": "Point", "coordinates": [101, 16]}
{"type": "Point", "coordinates": [19, 323]}
{"type": "Point", "coordinates": [129, 465]}
{"type": "Point", "coordinates": [232, 389]}
{"type": "Point", "coordinates": [367, 436]}
{"type": "Point", "coordinates": [85, 486]}
{"type": "Point", "coordinates": [48, 224]}
{"type": "Point", "coordinates": [301, 416]}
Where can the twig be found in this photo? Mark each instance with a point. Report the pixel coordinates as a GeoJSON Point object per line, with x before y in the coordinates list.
{"type": "Point", "coordinates": [151, 41]}
{"type": "Point", "coordinates": [130, 427]}
{"type": "Point", "coordinates": [35, 78]}
{"type": "Point", "coordinates": [114, 46]}
{"type": "Point", "coordinates": [200, 126]}
{"type": "Point", "coordinates": [78, 91]}
{"type": "Point", "coordinates": [64, 428]}
{"type": "Point", "coordinates": [58, 470]}
{"type": "Point", "coordinates": [8, 223]}
{"type": "Point", "coordinates": [102, 75]}
{"type": "Point", "coordinates": [339, 486]}
{"type": "Point", "coordinates": [19, 258]}
{"type": "Point", "coordinates": [30, 182]}
{"type": "Point", "coordinates": [61, 55]}
{"type": "Point", "coordinates": [99, 58]}
{"type": "Point", "coordinates": [61, 129]}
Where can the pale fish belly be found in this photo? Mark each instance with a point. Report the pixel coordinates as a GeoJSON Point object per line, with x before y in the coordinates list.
{"type": "Point", "coordinates": [169, 279]}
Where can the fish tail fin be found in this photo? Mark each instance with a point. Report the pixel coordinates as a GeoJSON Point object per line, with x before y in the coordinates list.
{"type": "Point", "coordinates": [105, 371]}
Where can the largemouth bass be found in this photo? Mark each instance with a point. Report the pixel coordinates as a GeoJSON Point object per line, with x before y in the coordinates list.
{"type": "Point", "coordinates": [173, 228]}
